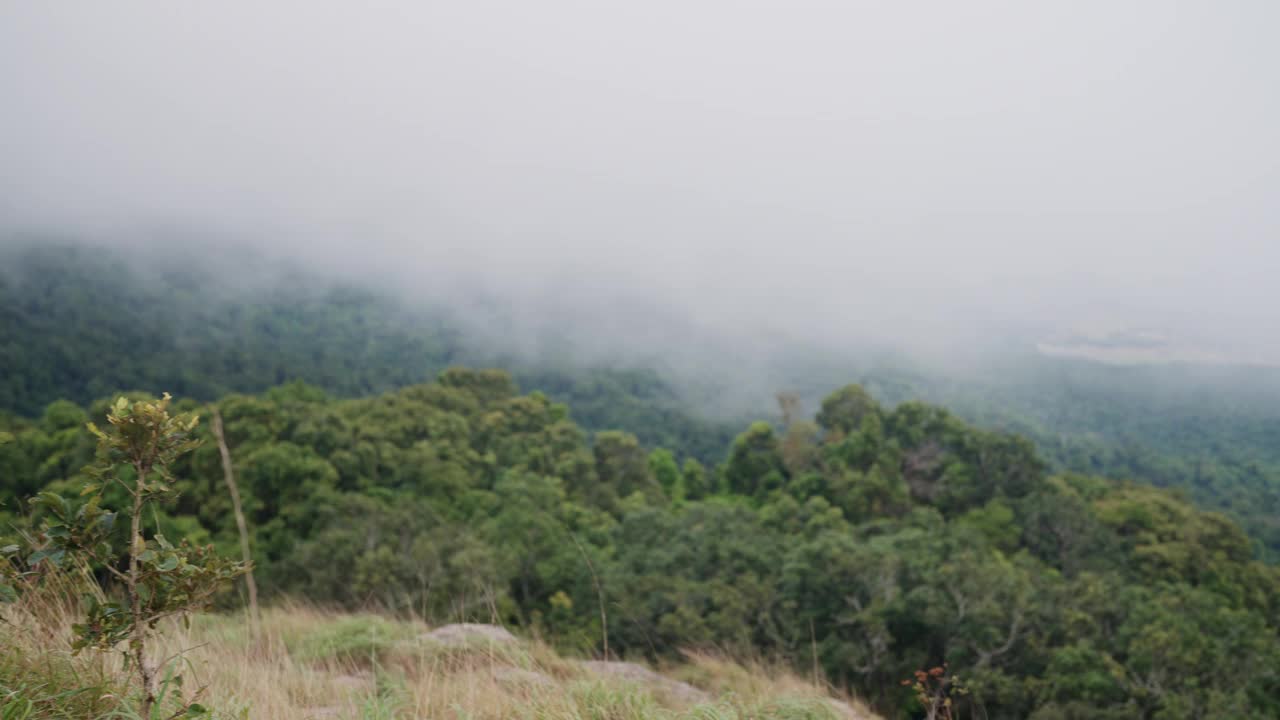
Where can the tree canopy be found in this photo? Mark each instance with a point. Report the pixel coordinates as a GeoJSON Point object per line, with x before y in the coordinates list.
{"type": "Point", "coordinates": [884, 541]}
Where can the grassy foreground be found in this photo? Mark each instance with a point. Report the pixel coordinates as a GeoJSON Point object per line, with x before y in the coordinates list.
{"type": "Point", "coordinates": [305, 663]}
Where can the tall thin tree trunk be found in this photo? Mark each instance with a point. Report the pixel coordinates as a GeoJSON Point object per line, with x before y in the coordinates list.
{"type": "Point", "coordinates": [229, 475]}
{"type": "Point", "coordinates": [138, 642]}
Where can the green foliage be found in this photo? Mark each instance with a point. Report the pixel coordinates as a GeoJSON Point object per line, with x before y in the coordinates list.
{"type": "Point", "coordinates": [1213, 432]}
{"type": "Point", "coordinates": [889, 536]}
{"type": "Point", "coordinates": [161, 579]}
{"type": "Point", "coordinates": [216, 327]}
{"type": "Point", "coordinates": [663, 468]}
{"type": "Point", "coordinates": [755, 464]}
{"type": "Point", "coordinates": [223, 325]}
{"type": "Point", "coordinates": [51, 687]}
{"type": "Point", "coordinates": [911, 540]}
{"type": "Point", "coordinates": [694, 481]}
{"type": "Point", "coordinates": [361, 639]}
{"type": "Point", "coordinates": [844, 410]}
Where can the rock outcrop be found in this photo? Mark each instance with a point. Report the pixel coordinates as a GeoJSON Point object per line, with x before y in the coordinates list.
{"type": "Point", "coordinates": [468, 634]}
{"type": "Point", "coordinates": [676, 690]}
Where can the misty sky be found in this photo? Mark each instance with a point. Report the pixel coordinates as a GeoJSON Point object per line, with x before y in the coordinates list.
{"type": "Point", "coordinates": [889, 169]}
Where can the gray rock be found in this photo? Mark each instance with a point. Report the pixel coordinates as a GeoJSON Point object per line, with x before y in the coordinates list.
{"type": "Point", "coordinates": [675, 689]}
{"type": "Point", "coordinates": [469, 634]}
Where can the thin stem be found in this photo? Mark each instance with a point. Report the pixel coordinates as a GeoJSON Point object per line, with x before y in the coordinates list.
{"type": "Point", "coordinates": [604, 618]}
{"type": "Point", "coordinates": [228, 475]}
{"type": "Point", "coordinates": [138, 643]}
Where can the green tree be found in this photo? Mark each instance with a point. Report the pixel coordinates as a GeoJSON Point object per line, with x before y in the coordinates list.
{"type": "Point", "coordinates": [622, 468]}
{"type": "Point", "coordinates": [694, 478]}
{"type": "Point", "coordinates": [755, 463]}
{"type": "Point", "coordinates": [160, 579]}
{"type": "Point", "coordinates": [843, 410]}
{"type": "Point", "coordinates": [662, 466]}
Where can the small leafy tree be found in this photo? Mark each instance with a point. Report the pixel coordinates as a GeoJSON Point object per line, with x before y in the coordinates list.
{"type": "Point", "coordinates": [936, 692]}
{"type": "Point", "coordinates": [159, 579]}
{"type": "Point", "coordinates": [9, 574]}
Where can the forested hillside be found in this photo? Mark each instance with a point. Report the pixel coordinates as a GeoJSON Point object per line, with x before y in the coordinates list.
{"type": "Point", "coordinates": [1212, 432]}
{"type": "Point", "coordinates": [877, 541]}
{"type": "Point", "coordinates": [72, 318]}
{"type": "Point", "coordinates": [571, 360]}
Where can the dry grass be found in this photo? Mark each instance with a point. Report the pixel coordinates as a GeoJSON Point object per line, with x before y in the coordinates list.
{"type": "Point", "coordinates": [307, 663]}
{"type": "Point", "coordinates": [759, 682]}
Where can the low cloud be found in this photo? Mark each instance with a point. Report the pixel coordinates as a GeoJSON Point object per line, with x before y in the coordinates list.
{"type": "Point", "coordinates": [937, 177]}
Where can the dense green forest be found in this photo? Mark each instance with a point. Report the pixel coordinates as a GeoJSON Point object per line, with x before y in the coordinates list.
{"type": "Point", "coordinates": [211, 330]}
{"type": "Point", "coordinates": [1213, 433]}
{"type": "Point", "coordinates": [874, 540]}
{"type": "Point", "coordinates": [72, 317]}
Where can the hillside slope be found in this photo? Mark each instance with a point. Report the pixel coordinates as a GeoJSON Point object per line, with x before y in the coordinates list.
{"type": "Point", "coordinates": [310, 665]}
{"type": "Point", "coordinates": [80, 322]}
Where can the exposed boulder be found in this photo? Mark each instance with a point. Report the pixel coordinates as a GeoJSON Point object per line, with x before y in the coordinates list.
{"type": "Point", "coordinates": [469, 634]}
{"type": "Point", "coordinates": [679, 691]}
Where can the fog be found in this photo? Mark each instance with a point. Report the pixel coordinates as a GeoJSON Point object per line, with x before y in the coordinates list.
{"type": "Point", "coordinates": [927, 176]}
